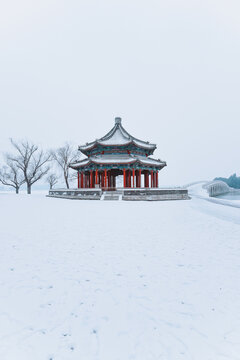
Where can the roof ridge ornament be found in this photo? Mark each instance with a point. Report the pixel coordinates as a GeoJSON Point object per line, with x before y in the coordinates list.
{"type": "Point", "coordinates": [118, 120]}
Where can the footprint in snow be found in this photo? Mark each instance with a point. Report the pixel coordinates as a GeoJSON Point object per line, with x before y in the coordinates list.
{"type": "Point", "coordinates": [75, 315]}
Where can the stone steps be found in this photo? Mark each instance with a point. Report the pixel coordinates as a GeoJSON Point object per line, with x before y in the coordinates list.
{"type": "Point", "coordinates": [112, 195]}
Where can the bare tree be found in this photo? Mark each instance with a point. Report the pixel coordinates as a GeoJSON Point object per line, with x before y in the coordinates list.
{"type": "Point", "coordinates": [31, 161]}
{"type": "Point", "coordinates": [63, 157]}
{"type": "Point", "coordinates": [52, 180]}
{"type": "Point", "coordinates": [10, 175]}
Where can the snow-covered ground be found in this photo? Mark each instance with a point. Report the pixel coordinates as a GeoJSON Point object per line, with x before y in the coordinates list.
{"type": "Point", "coordinates": [95, 280]}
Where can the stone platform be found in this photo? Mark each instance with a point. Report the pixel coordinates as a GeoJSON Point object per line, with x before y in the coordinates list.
{"type": "Point", "coordinates": [126, 194]}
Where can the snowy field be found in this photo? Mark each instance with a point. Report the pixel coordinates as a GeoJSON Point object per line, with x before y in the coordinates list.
{"type": "Point", "coordinates": [94, 280]}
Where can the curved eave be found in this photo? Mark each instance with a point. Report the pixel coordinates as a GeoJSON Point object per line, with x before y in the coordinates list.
{"type": "Point", "coordinates": [159, 165]}
{"type": "Point", "coordinates": [85, 163]}
{"type": "Point", "coordinates": [85, 149]}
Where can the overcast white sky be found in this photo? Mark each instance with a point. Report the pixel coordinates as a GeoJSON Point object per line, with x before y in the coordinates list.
{"type": "Point", "coordinates": [170, 69]}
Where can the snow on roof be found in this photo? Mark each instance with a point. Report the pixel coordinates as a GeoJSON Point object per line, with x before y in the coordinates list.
{"type": "Point", "coordinates": [117, 136]}
{"type": "Point", "coordinates": [117, 159]}
{"type": "Point", "coordinates": [150, 161]}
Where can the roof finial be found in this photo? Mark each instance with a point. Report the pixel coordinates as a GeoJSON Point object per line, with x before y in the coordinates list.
{"type": "Point", "coordinates": [118, 120]}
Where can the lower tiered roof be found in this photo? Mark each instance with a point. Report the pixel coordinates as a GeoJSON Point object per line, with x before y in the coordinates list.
{"type": "Point", "coordinates": [124, 159]}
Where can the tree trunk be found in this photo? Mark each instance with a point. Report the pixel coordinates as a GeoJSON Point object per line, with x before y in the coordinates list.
{"type": "Point", "coordinates": [17, 190]}
{"type": "Point", "coordinates": [66, 180]}
{"type": "Point", "coordinates": [29, 189]}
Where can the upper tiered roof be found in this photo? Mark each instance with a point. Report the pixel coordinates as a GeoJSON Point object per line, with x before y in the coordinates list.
{"type": "Point", "coordinates": [117, 137]}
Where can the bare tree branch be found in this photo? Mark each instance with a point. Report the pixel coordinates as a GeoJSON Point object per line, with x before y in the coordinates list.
{"type": "Point", "coordinates": [31, 161]}
{"type": "Point", "coordinates": [52, 180]}
{"type": "Point", "coordinates": [11, 176]}
{"type": "Point", "coordinates": [63, 156]}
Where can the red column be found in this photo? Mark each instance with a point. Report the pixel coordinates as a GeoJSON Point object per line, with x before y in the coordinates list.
{"type": "Point", "coordinates": [78, 179]}
{"type": "Point", "coordinates": [129, 178]}
{"type": "Point", "coordinates": [152, 178]}
{"type": "Point", "coordinates": [81, 179]}
{"type": "Point", "coordinates": [140, 174]}
{"type": "Point", "coordinates": [124, 178]}
{"type": "Point", "coordinates": [88, 180]}
{"type": "Point", "coordinates": [96, 177]}
{"type": "Point", "coordinates": [91, 179]}
{"type": "Point", "coordinates": [105, 178]}
{"type": "Point", "coordinates": [157, 179]}
{"type": "Point", "coordinates": [102, 177]}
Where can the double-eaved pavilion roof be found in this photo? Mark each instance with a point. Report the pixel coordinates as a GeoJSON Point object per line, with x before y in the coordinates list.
{"type": "Point", "coordinates": [117, 136]}
{"type": "Point", "coordinates": [115, 150]}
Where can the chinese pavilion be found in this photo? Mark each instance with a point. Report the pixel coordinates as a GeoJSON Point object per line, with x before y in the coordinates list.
{"type": "Point", "coordinates": [118, 153]}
